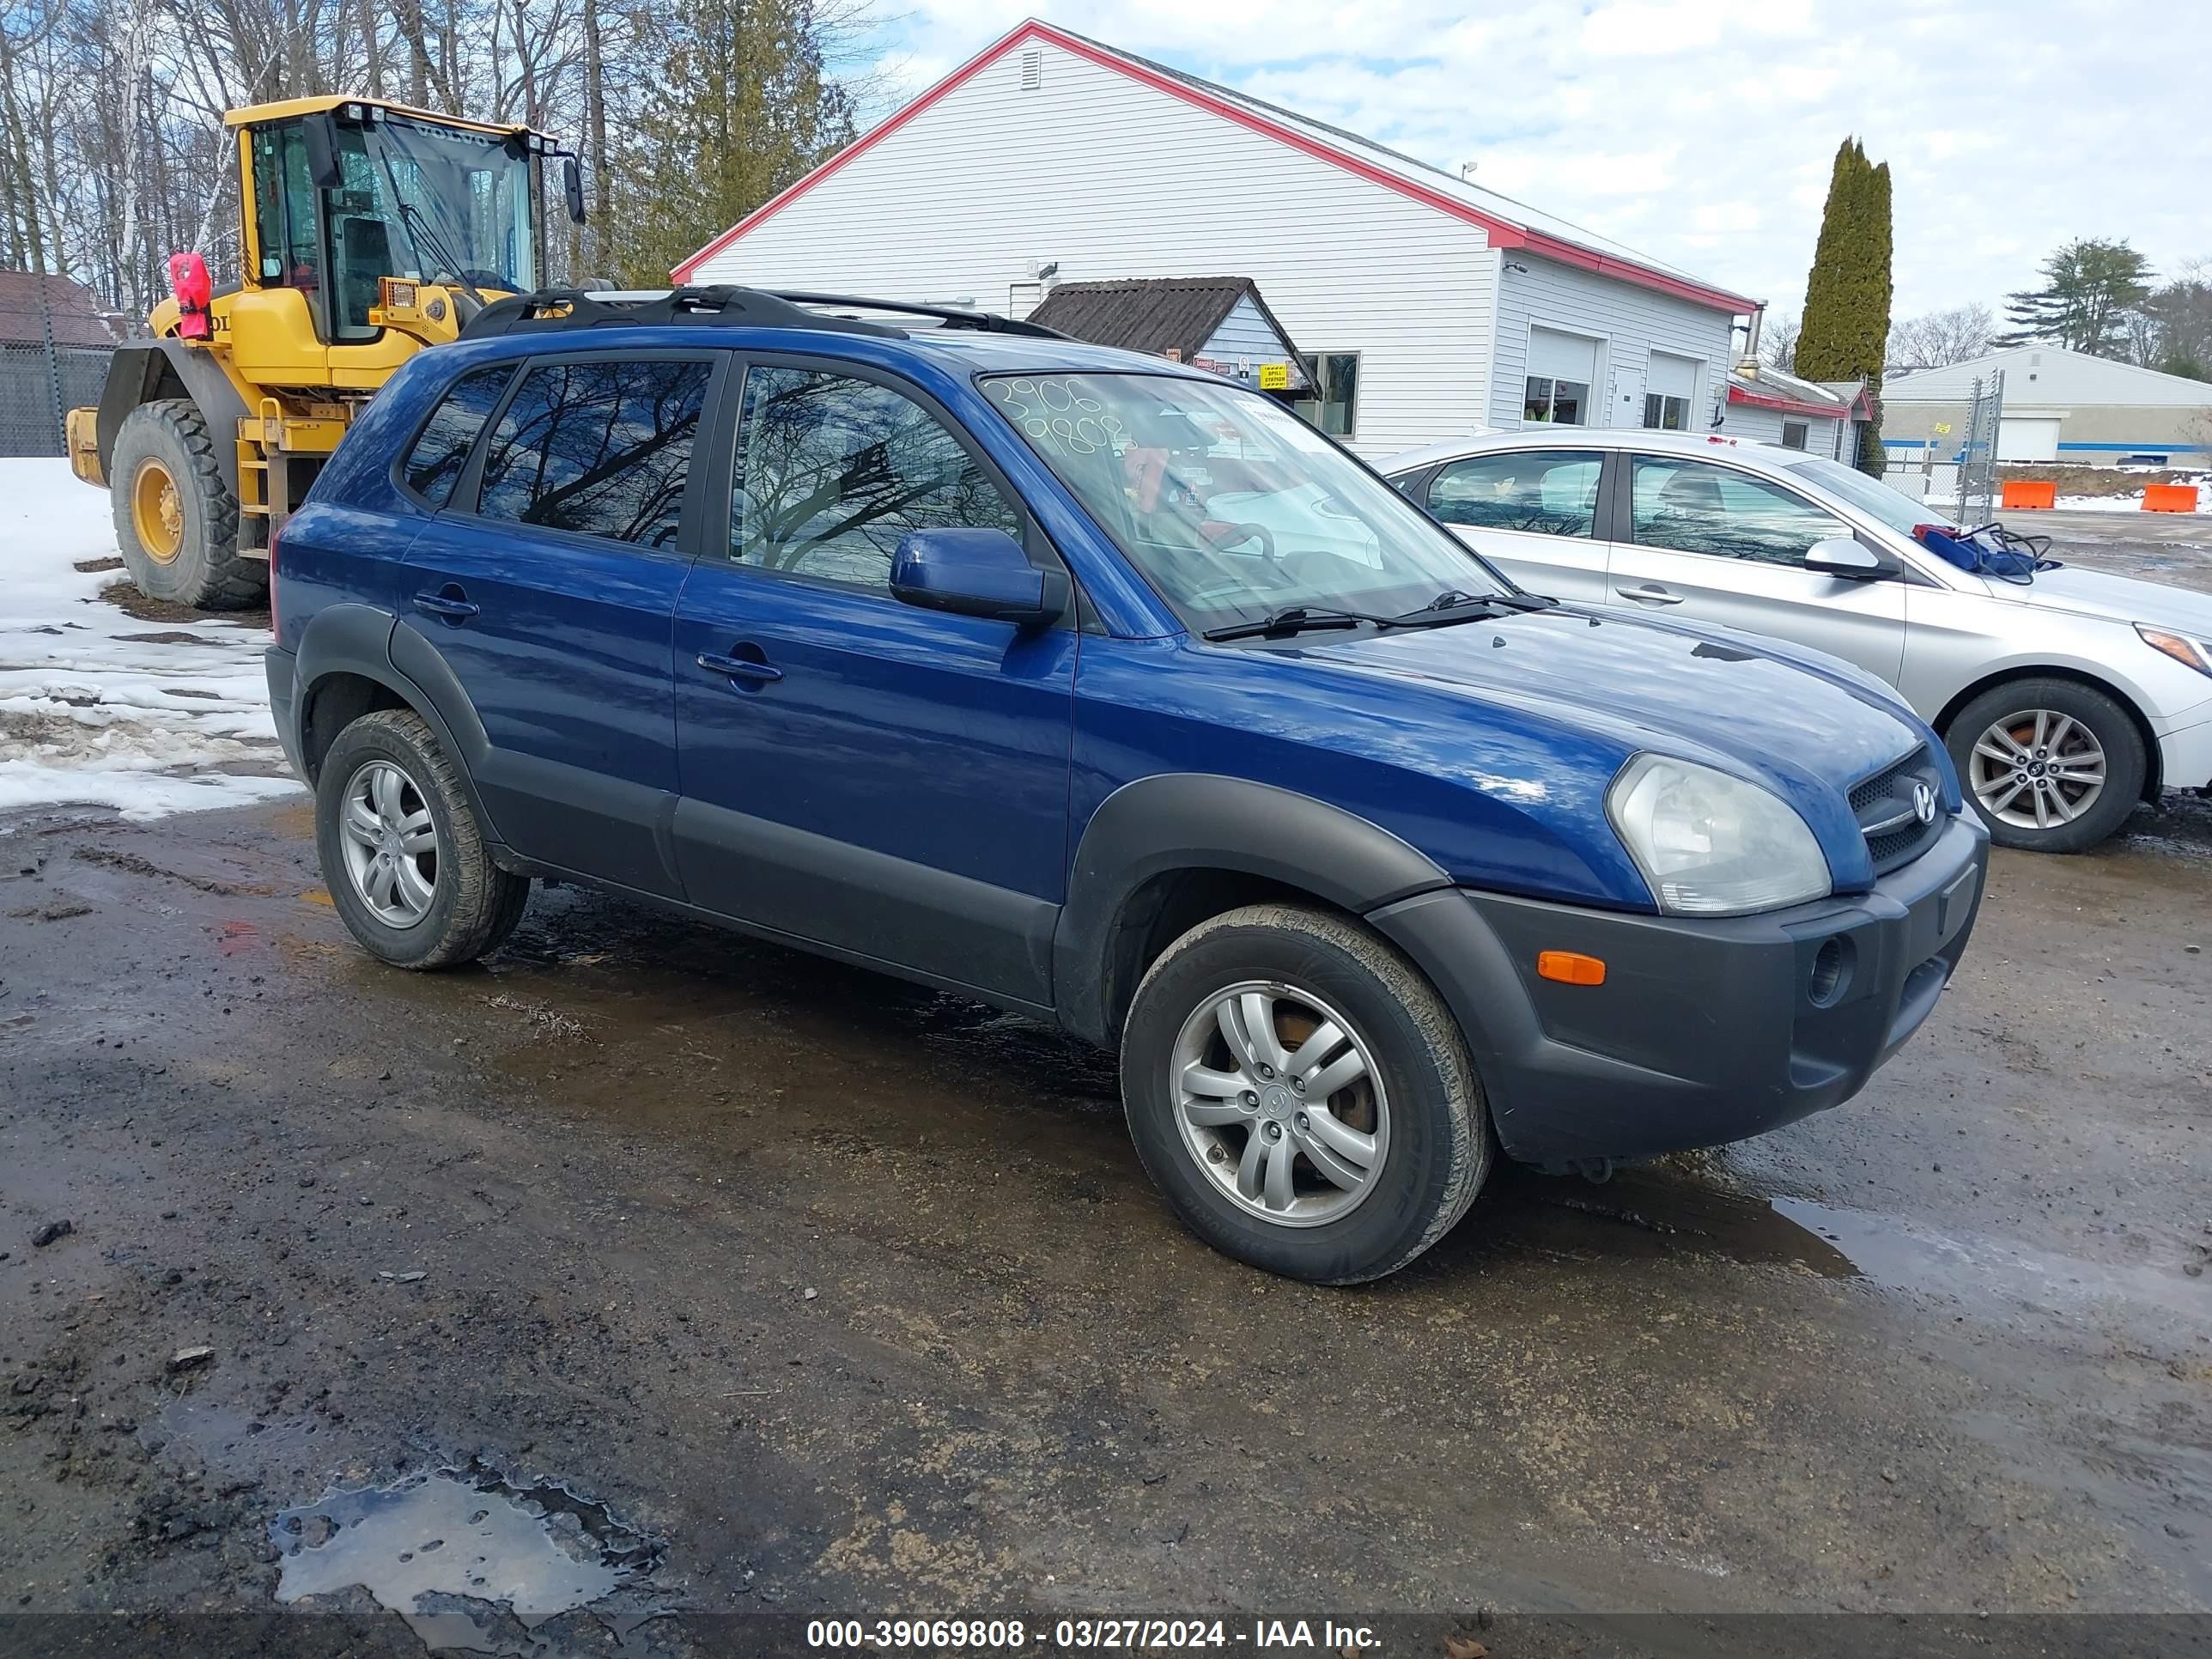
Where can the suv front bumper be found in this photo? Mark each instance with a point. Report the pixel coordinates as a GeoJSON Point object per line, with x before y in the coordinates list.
{"type": "Point", "coordinates": [1705, 1031]}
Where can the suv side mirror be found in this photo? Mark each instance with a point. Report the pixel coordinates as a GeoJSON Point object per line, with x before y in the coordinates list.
{"type": "Point", "coordinates": [975, 573]}
{"type": "Point", "coordinates": [1842, 556]}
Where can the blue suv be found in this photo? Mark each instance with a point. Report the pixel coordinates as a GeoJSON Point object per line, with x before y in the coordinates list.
{"type": "Point", "coordinates": [1099, 689]}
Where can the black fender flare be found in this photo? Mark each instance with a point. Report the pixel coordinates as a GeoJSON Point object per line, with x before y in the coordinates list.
{"type": "Point", "coordinates": [135, 376]}
{"type": "Point", "coordinates": [1201, 821]}
{"type": "Point", "coordinates": [364, 641]}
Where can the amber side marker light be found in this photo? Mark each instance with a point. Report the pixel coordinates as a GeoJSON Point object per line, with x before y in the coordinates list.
{"type": "Point", "coordinates": [1569, 968]}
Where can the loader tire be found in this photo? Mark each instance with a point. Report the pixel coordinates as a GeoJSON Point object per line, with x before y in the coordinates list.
{"type": "Point", "coordinates": [176, 521]}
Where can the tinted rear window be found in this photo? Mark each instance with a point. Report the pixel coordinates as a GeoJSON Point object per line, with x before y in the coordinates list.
{"type": "Point", "coordinates": [434, 463]}
{"type": "Point", "coordinates": [601, 448]}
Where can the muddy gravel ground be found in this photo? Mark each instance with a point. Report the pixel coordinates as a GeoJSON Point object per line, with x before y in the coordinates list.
{"type": "Point", "coordinates": [784, 1288]}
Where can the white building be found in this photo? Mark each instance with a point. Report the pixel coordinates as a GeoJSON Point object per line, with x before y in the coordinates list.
{"type": "Point", "coordinates": [2059, 406]}
{"type": "Point", "coordinates": [1423, 305]}
{"type": "Point", "coordinates": [1822, 417]}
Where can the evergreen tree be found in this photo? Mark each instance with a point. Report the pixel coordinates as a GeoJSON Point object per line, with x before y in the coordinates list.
{"type": "Point", "coordinates": [1845, 330]}
{"type": "Point", "coordinates": [2089, 287]}
{"type": "Point", "coordinates": [747, 105]}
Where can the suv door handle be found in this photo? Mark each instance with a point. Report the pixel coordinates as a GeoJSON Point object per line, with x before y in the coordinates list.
{"type": "Point", "coordinates": [739, 668]}
{"type": "Point", "coordinates": [450, 606]}
{"type": "Point", "coordinates": [1649, 594]}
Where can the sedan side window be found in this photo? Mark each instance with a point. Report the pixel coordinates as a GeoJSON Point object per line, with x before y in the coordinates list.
{"type": "Point", "coordinates": [602, 448]}
{"type": "Point", "coordinates": [1688, 506]}
{"type": "Point", "coordinates": [833, 471]}
{"type": "Point", "coordinates": [1551, 492]}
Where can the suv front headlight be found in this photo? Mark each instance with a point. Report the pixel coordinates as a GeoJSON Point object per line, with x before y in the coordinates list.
{"type": "Point", "coordinates": [1711, 845]}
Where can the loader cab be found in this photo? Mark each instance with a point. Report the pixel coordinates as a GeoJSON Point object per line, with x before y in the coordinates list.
{"type": "Point", "coordinates": [339, 198]}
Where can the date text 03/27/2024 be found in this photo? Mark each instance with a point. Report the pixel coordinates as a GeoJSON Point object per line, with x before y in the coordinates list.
{"type": "Point", "coordinates": [1324, 1635]}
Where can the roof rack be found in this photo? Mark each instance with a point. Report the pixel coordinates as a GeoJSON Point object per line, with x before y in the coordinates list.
{"type": "Point", "coordinates": [950, 316]}
{"type": "Point", "coordinates": [561, 309]}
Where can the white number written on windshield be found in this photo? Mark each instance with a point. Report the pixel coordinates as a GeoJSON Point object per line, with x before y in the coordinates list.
{"type": "Point", "coordinates": [1050, 409]}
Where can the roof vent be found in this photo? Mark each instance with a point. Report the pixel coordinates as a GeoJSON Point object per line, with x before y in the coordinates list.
{"type": "Point", "coordinates": [1032, 67]}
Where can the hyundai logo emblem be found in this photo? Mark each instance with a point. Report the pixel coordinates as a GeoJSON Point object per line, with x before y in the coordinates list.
{"type": "Point", "coordinates": [1923, 803]}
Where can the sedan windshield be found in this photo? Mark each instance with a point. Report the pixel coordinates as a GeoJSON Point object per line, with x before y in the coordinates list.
{"type": "Point", "coordinates": [1871, 496]}
{"type": "Point", "coordinates": [1233, 508]}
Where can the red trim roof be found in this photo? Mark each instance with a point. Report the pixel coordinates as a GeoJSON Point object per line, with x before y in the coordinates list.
{"type": "Point", "coordinates": [1788, 405]}
{"type": "Point", "coordinates": [1502, 233]}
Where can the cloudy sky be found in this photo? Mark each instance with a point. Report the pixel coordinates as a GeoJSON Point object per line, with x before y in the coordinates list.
{"type": "Point", "coordinates": [1702, 132]}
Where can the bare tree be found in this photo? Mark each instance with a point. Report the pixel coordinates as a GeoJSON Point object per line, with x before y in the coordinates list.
{"type": "Point", "coordinates": [1778, 342]}
{"type": "Point", "coordinates": [688, 112]}
{"type": "Point", "coordinates": [1940, 338]}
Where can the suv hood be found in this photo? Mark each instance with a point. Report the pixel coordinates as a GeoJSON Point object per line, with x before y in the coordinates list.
{"type": "Point", "coordinates": [1803, 724]}
{"type": "Point", "coordinates": [2120, 598]}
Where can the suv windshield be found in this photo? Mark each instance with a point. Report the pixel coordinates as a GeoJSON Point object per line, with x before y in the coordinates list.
{"type": "Point", "coordinates": [1871, 496]}
{"type": "Point", "coordinates": [1233, 508]}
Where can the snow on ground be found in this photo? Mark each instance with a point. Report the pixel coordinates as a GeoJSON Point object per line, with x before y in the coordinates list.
{"type": "Point", "coordinates": [2132, 503]}
{"type": "Point", "coordinates": [97, 708]}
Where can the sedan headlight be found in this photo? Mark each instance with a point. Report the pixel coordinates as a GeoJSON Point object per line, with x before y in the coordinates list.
{"type": "Point", "coordinates": [2189, 653]}
{"type": "Point", "coordinates": [1711, 845]}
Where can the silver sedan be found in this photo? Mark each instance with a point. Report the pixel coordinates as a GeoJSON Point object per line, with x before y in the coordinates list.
{"type": "Point", "coordinates": [2065, 697]}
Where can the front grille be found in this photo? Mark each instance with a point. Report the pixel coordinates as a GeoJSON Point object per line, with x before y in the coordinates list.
{"type": "Point", "coordinates": [1884, 806]}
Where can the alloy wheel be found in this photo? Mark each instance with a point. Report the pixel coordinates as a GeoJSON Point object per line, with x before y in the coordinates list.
{"type": "Point", "coordinates": [1279, 1101]}
{"type": "Point", "coordinates": [391, 844]}
{"type": "Point", "coordinates": [2037, 769]}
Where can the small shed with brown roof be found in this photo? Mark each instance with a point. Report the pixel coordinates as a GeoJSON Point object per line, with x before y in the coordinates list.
{"type": "Point", "coordinates": [1219, 323]}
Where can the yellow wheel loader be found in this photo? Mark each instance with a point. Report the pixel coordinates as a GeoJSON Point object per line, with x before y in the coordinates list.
{"type": "Point", "coordinates": [370, 232]}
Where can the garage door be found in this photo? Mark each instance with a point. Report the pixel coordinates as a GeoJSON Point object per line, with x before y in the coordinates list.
{"type": "Point", "coordinates": [1670, 391]}
{"type": "Point", "coordinates": [1672, 376]}
{"type": "Point", "coordinates": [2022, 439]}
{"type": "Point", "coordinates": [1562, 369]}
{"type": "Point", "coordinates": [1562, 356]}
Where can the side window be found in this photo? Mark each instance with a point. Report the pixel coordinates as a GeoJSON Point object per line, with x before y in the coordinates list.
{"type": "Point", "coordinates": [435, 463]}
{"type": "Point", "coordinates": [1552, 492]}
{"type": "Point", "coordinates": [601, 448]}
{"type": "Point", "coordinates": [1692, 507]}
{"type": "Point", "coordinates": [833, 471]}
{"type": "Point", "coordinates": [284, 203]}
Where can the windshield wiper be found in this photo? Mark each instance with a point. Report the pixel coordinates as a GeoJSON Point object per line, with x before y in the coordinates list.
{"type": "Point", "coordinates": [422, 232]}
{"type": "Point", "coordinates": [1453, 606]}
{"type": "Point", "coordinates": [1296, 619]}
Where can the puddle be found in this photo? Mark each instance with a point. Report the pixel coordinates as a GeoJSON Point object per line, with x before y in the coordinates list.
{"type": "Point", "coordinates": [1970, 1266]}
{"type": "Point", "coordinates": [1659, 1212]}
{"type": "Point", "coordinates": [470, 1560]}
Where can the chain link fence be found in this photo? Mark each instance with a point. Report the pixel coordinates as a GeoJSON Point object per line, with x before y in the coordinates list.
{"type": "Point", "coordinates": [38, 385]}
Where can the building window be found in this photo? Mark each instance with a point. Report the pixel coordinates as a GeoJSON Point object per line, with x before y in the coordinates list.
{"type": "Point", "coordinates": [1665, 414]}
{"type": "Point", "coordinates": [1793, 435]}
{"type": "Point", "coordinates": [1334, 403]}
{"type": "Point", "coordinates": [1560, 401]}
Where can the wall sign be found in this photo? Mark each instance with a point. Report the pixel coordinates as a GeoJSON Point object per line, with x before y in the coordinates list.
{"type": "Point", "coordinates": [1274, 377]}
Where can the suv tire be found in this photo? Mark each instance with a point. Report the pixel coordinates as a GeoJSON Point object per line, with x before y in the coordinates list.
{"type": "Point", "coordinates": [176, 521]}
{"type": "Point", "coordinates": [1240, 1099]}
{"type": "Point", "coordinates": [2025, 752]}
{"type": "Point", "coordinates": [402, 852]}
